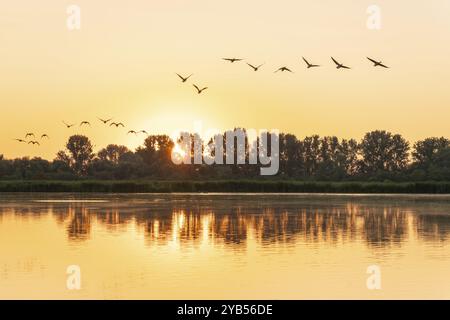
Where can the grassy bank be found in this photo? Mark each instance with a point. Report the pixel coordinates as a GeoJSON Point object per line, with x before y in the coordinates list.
{"type": "Point", "coordinates": [224, 186]}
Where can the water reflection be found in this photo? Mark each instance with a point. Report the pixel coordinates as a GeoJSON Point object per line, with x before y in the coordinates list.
{"type": "Point", "coordinates": [195, 246]}
{"type": "Point", "coordinates": [193, 222]}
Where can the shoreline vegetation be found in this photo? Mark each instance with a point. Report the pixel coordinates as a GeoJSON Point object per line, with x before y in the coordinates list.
{"type": "Point", "coordinates": [254, 186]}
{"type": "Point", "coordinates": [381, 162]}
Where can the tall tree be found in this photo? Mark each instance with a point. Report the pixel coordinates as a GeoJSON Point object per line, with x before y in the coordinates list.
{"type": "Point", "coordinates": [348, 156]}
{"type": "Point", "coordinates": [156, 153]}
{"type": "Point", "coordinates": [425, 150]}
{"type": "Point", "coordinates": [311, 148]}
{"type": "Point", "coordinates": [383, 151]}
{"type": "Point", "coordinates": [291, 162]}
{"type": "Point", "coordinates": [112, 153]}
{"type": "Point", "coordinates": [79, 153]}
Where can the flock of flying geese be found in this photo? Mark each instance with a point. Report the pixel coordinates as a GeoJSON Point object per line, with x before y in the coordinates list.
{"type": "Point", "coordinates": [33, 140]}
{"type": "Point", "coordinates": [199, 90]}
{"type": "Point", "coordinates": [282, 69]}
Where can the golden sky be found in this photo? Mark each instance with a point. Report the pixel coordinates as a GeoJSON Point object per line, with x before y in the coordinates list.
{"type": "Point", "coordinates": [122, 64]}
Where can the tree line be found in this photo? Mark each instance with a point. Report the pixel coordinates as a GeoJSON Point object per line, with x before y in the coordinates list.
{"type": "Point", "coordinates": [378, 156]}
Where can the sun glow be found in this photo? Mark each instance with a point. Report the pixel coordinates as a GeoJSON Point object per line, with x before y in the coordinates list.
{"type": "Point", "coordinates": [178, 153]}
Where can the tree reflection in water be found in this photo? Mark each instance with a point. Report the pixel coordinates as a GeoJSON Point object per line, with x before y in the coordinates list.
{"type": "Point", "coordinates": [192, 221]}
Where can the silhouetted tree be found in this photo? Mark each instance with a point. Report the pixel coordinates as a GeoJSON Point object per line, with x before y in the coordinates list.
{"type": "Point", "coordinates": [62, 170]}
{"type": "Point", "coordinates": [311, 147]}
{"type": "Point", "coordinates": [349, 150]}
{"type": "Point", "coordinates": [79, 153]}
{"type": "Point", "coordinates": [112, 153]}
{"type": "Point", "coordinates": [440, 168]}
{"type": "Point", "coordinates": [383, 151]}
{"type": "Point", "coordinates": [131, 165]}
{"type": "Point", "coordinates": [425, 150]}
{"type": "Point", "coordinates": [291, 156]}
{"type": "Point", "coordinates": [156, 153]}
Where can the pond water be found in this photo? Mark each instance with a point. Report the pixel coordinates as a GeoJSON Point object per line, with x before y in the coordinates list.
{"type": "Point", "coordinates": [224, 246]}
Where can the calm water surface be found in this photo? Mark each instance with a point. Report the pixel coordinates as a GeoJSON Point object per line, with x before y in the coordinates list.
{"type": "Point", "coordinates": [208, 246]}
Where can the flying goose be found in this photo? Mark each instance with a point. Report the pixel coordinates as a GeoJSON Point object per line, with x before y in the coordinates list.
{"type": "Point", "coordinates": [68, 125]}
{"type": "Point", "coordinates": [377, 63]}
{"type": "Point", "coordinates": [255, 68]}
{"type": "Point", "coordinates": [282, 69]}
{"type": "Point", "coordinates": [309, 65]}
{"type": "Point", "coordinates": [200, 90]}
{"type": "Point", "coordinates": [232, 59]}
{"type": "Point", "coordinates": [184, 79]}
{"type": "Point", "coordinates": [339, 65]}
{"type": "Point", "coordinates": [117, 124]}
{"type": "Point", "coordinates": [104, 121]}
